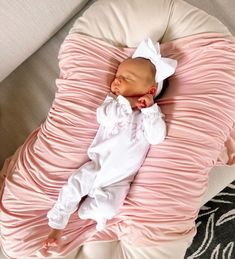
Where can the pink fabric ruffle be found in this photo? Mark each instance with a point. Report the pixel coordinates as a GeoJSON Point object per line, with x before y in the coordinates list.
{"type": "Point", "coordinates": [164, 199]}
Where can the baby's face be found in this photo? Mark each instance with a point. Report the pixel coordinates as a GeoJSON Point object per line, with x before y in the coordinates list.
{"type": "Point", "coordinates": [134, 77]}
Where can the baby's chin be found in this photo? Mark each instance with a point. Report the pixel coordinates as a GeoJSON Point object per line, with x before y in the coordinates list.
{"type": "Point", "coordinates": [116, 91]}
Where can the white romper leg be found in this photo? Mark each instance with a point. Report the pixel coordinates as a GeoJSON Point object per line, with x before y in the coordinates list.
{"type": "Point", "coordinates": [79, 185]}
{"type": "Point", "coordinates": [105, 203]}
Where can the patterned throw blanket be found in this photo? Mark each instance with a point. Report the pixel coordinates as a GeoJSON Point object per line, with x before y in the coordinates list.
{"type": "Point", "coordinates": [165, 197]}
{"type": "Point", "coordinates": [215, 236]}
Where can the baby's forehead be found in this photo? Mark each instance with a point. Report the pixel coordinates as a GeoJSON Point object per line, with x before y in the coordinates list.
{"type": "Point", "coordinates": [138, 65]}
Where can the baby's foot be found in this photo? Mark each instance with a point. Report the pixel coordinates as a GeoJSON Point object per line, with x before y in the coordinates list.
{"type": "Point", "coordinates": [53, 238]}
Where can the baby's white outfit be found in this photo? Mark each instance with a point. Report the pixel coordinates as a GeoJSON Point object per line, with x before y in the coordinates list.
{"type": "Point", "coordinates": [116, 154]}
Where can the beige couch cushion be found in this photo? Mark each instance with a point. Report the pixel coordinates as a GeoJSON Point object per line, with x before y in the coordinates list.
{"type": "Point", "coordinates": [120, 250]}
{"type": "Point", "coordinates": [128, 22]}
{"type": "Point", "coordinates": [27, 25]}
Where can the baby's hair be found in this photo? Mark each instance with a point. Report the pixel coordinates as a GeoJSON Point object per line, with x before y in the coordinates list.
{"type": "Point", "coordinates": [153, 68]}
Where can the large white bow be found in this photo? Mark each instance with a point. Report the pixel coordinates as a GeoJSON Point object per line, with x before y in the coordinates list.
{"type": "Point", "coordinates": [165, 67]}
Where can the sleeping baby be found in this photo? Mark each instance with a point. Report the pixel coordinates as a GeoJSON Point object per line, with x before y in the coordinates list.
{"type": "Point", "coordinates": [129, 122]}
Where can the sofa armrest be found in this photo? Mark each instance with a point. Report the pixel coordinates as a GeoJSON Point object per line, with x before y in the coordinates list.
{"type": "Point", "coordinates": [27, 25]}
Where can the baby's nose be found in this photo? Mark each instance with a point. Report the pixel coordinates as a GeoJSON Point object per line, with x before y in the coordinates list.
{"type": "Point", "coordinates": [117, 80]}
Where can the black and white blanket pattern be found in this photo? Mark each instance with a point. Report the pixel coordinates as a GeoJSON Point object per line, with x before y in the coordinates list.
{"type": "Point", "coordinates": [215, 237]}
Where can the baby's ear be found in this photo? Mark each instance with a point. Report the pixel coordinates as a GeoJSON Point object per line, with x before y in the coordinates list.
{"type": "Point", "coordinates": [153, 90]}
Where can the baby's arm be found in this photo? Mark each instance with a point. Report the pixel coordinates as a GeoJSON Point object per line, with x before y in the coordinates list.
{"type": "Point", "coordinates": [154, 125]}
{"type": "Point", "coordinates": [113, 109]}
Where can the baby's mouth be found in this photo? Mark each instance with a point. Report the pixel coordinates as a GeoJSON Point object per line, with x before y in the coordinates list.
{"type": "Point", "coordinates": [116, 91]}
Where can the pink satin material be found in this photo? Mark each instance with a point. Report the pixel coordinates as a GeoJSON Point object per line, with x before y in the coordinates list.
{"type": "Point", "coordinates": [163, 202]}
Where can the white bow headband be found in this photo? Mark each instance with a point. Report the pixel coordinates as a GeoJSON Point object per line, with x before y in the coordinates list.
{"type": "Point", "coordinates": [165, 67]}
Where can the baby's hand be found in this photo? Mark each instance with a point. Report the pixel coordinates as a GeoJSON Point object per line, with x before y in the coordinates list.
{"type": "Point", "coordinates": [145, 101]}
{"type": "Point", "coordinates": [133, 101]}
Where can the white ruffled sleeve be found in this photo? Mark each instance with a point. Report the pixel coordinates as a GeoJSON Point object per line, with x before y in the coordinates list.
{"type": "Point", "coordinates": [113, 110]}
{"type": "Point", "coordinates": [154, 124]}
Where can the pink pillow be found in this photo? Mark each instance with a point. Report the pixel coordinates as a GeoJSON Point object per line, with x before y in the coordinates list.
{"type": "Point", "coordinates": [165, 196]}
